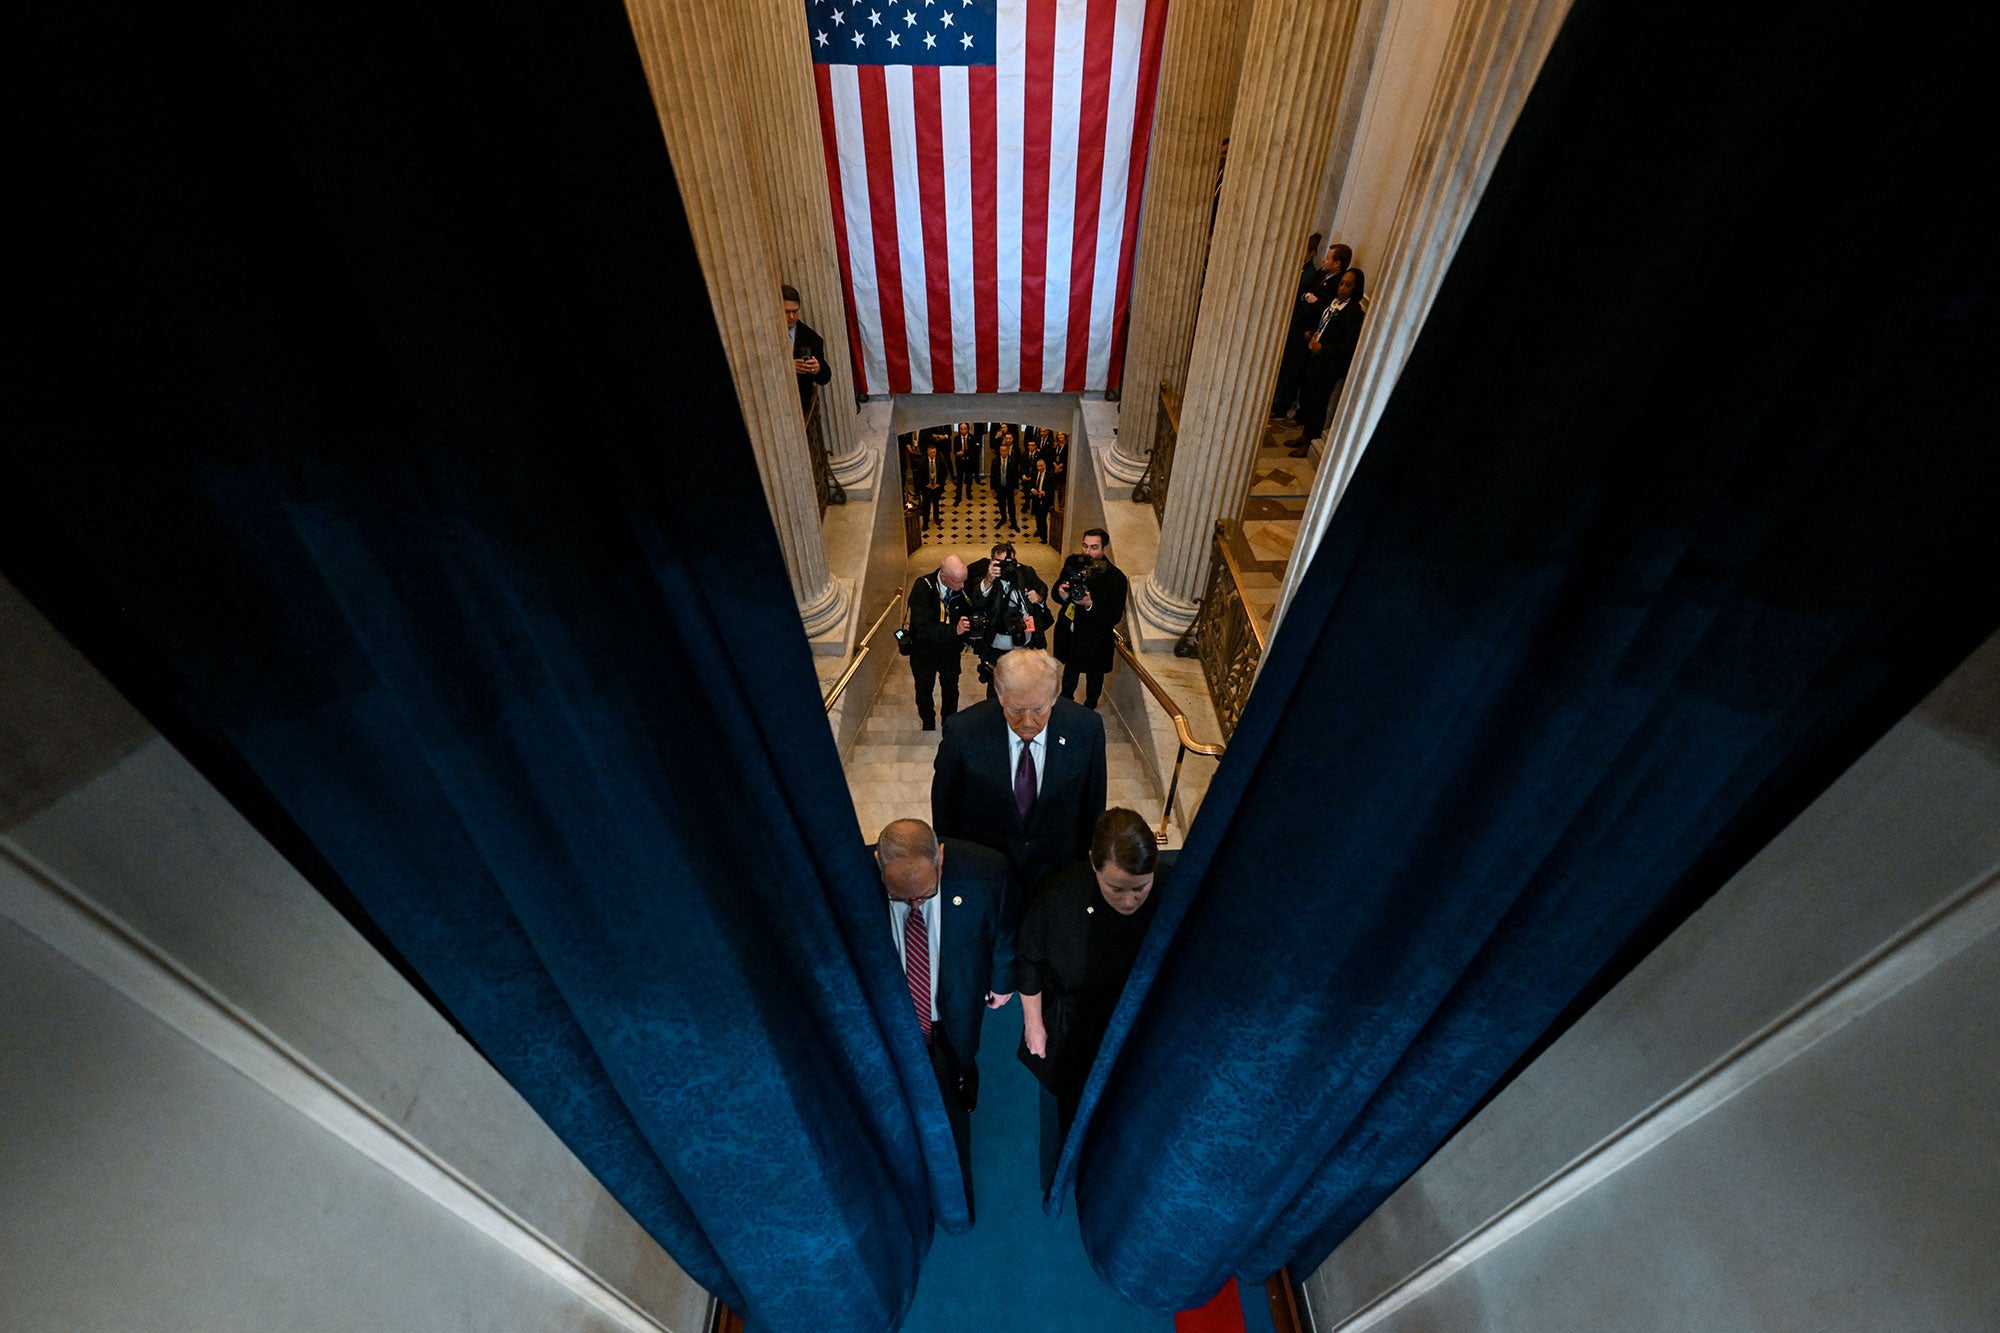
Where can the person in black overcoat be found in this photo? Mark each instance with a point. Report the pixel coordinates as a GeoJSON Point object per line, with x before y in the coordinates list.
{"type": "Point", "coordinates": [958, 892]}
{"type": "Point", "coordinates": [1088, 609]}
{"type": "Point", "coordinates": [1076, 950]}
{"type": "Point", "coordinates": [979, 783]}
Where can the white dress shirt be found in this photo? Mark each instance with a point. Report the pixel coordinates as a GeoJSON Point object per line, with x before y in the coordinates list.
{"type": "Point", "coordinates": [899, 915]}
{"type": "Point", "coordinates": [1038, 747]}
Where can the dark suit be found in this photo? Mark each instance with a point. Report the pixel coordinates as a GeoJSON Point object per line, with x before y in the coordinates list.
{"type": "Point", "coordinates": [805, 343]}
{"type": "Point", "coordinates": [965, 465]}
{"type": "Point", "coordinates": [1326, 368]}
{"type": "Point", "coordinates": [972, 790]}
{"type": "Point", "coordinates": [974, 958]}
{"type": "Point", "coordinates": [1041, 485]}
{"type": "Point", "coordinates": [934, 647]}
{"type": "Point", "coordinates": [931, 477]}
{"type": "Point", "coordinates": [1321, 286]}
{"type": "Point", "coordinates": [1007, 490]}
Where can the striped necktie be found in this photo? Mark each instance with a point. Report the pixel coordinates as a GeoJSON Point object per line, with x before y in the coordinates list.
{"type": "Point", "coordinates": [917, 965]}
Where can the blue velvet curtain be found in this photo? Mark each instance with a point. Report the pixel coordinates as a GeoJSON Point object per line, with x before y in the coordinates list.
{"type": "Point", "coordinates": [1686, 494]}
{"type": "Point", "coordinates": [378, 441]}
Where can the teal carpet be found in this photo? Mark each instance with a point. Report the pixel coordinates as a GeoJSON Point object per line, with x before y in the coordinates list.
{"type": "Point", "coordinates": [1017, 1270]}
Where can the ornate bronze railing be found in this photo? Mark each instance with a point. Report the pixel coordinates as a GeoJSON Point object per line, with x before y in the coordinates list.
{"type": "Point", "coordinates": [1226, 635]}
{"type": "Point", "coordinates": [860, 654]}
{"type": "Point", "coordinates": [1186, 739]}
{"type": "Point", "coordinates": [1152, 484]}
{"type": "Point", "coordinates": [829, 490]}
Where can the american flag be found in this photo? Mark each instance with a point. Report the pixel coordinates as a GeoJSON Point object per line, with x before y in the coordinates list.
{"type": "Point", "coordinates": [985, 160]}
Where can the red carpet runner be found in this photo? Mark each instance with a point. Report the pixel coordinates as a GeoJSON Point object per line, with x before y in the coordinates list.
{"type": "Point", "coordinates": [1224, 1314]}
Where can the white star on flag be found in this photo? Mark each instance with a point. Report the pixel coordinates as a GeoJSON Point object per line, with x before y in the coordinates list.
{"type": "Point", "coordinates": [945, 19]}
{"type": "Point", "coordinates": [875, 17]}
{"type": "Point", "coordinates": [966, 41]}
{"type": "Point", "coordinates": [820, 37]}
{"type": "Point", "coordinates": [857, 36]}
{"type": "Point", "coordinates": [894, 39]}
{"type": "Point", "coordinates": [930, 40]}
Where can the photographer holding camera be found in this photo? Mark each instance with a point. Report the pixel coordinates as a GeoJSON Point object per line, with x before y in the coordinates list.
{"type": "Point", "coordinates": [1089, 604]}
{"type": "Point", "coordinates": [1015, 603]}
{"type": "Point", "coordinates": [934, 640]}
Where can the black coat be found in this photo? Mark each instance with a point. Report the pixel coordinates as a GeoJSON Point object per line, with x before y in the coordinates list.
{"type": "Point", "coordinates": [1028, 580]}
{"type": "Point", "coordinates": [1014, 469]}
{"type": "Point", "coordinates": [1083, 640]}
{"type": "Point", "coordinates": [972, 792]}
{"type": "Point", "coordinates": [1328, 366]}
{"type": "Point", "coordinates": [1058, 958]}
{"type": "Point", "coordinates": [1051, 483]}
{"type": "Point", "coordinates": [805, 343]}
{"type": "Point", "coordinates": [976, 942]}
{"type": "Point", "coordinates": [932, 637]}
{"type": "Point", "coordinates": [1325, 368]}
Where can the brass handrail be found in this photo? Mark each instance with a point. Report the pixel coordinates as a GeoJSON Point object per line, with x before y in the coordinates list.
{"type": "Point", "coordinates": [860, 652]}
{"type": "Point", "coordinates": [1187, 742]}
{"type": "Point", "coordinates": [1213, 749]}
{"type": "Point", "coordinates": [1236, 574]}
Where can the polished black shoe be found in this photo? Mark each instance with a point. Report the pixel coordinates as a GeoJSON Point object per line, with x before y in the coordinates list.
{"type": "Point", "coordinates": [968, 1089]}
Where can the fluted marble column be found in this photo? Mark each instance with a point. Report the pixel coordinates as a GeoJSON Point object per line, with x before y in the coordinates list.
{"type": "Point", "coordinates": [784, 111]}
{"type": "Point", "coordinates": [1279, 135]}
{"type": "Point", "coordinates": [695, 69]}
{"type": "Point", "coordinates": [1199, 64]}
{"type": "Point", "coordinates": [1496, 49]}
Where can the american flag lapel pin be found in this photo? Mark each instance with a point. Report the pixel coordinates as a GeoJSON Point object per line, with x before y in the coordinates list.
{"type": "Point", "coordinates": [1062, 740]}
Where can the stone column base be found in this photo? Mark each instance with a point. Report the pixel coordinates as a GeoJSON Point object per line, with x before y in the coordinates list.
{"type": "Point", "coordinates": [1120, 474]}
{"type": "Point", "coordinates": [830, 620]}
{"type": "Point", "coordinates": [856, 472]}
{"type": "Point", "coordinates": [1158, 617]}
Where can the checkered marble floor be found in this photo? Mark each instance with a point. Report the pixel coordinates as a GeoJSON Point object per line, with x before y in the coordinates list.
{"type": "Point", "coordinates": [976, 519]}
{"type": "Point", "coordinates": [1273, 511]}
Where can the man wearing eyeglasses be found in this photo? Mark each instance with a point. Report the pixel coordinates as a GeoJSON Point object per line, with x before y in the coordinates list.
{"type": "Point", "coordinates": [956, 945]}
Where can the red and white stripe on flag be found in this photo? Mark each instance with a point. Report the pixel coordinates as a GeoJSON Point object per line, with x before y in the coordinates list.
{"type": "Point", "coordinates": [986, 195]}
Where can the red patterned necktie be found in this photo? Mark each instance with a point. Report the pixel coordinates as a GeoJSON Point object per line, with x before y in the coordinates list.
{"type": "Point", "coordinates": [917, 965]}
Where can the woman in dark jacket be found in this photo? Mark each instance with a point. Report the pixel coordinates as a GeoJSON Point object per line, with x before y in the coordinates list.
{"type": "Point", "coordinates": [1330, 350]}
{"type": "Point", "coordinates": [1076, 948]}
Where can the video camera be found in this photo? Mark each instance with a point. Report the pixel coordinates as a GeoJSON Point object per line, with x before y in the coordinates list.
{"type": "Point", "coordinates": [1078, 571]}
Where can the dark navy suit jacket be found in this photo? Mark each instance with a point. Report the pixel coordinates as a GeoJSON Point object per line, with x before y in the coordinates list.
{"type": "Point", "coordinates": [972, 793]}
{"type": "Point", "coordinates": [975, 942]}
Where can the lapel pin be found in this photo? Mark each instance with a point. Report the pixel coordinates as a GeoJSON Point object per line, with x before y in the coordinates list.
{"type": "Point", "coordinates": [1062, 740]}
{"type": "Point", "coordinates": [1088, 910]}
{"type": "Point", "coordinates": [958, 902]}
